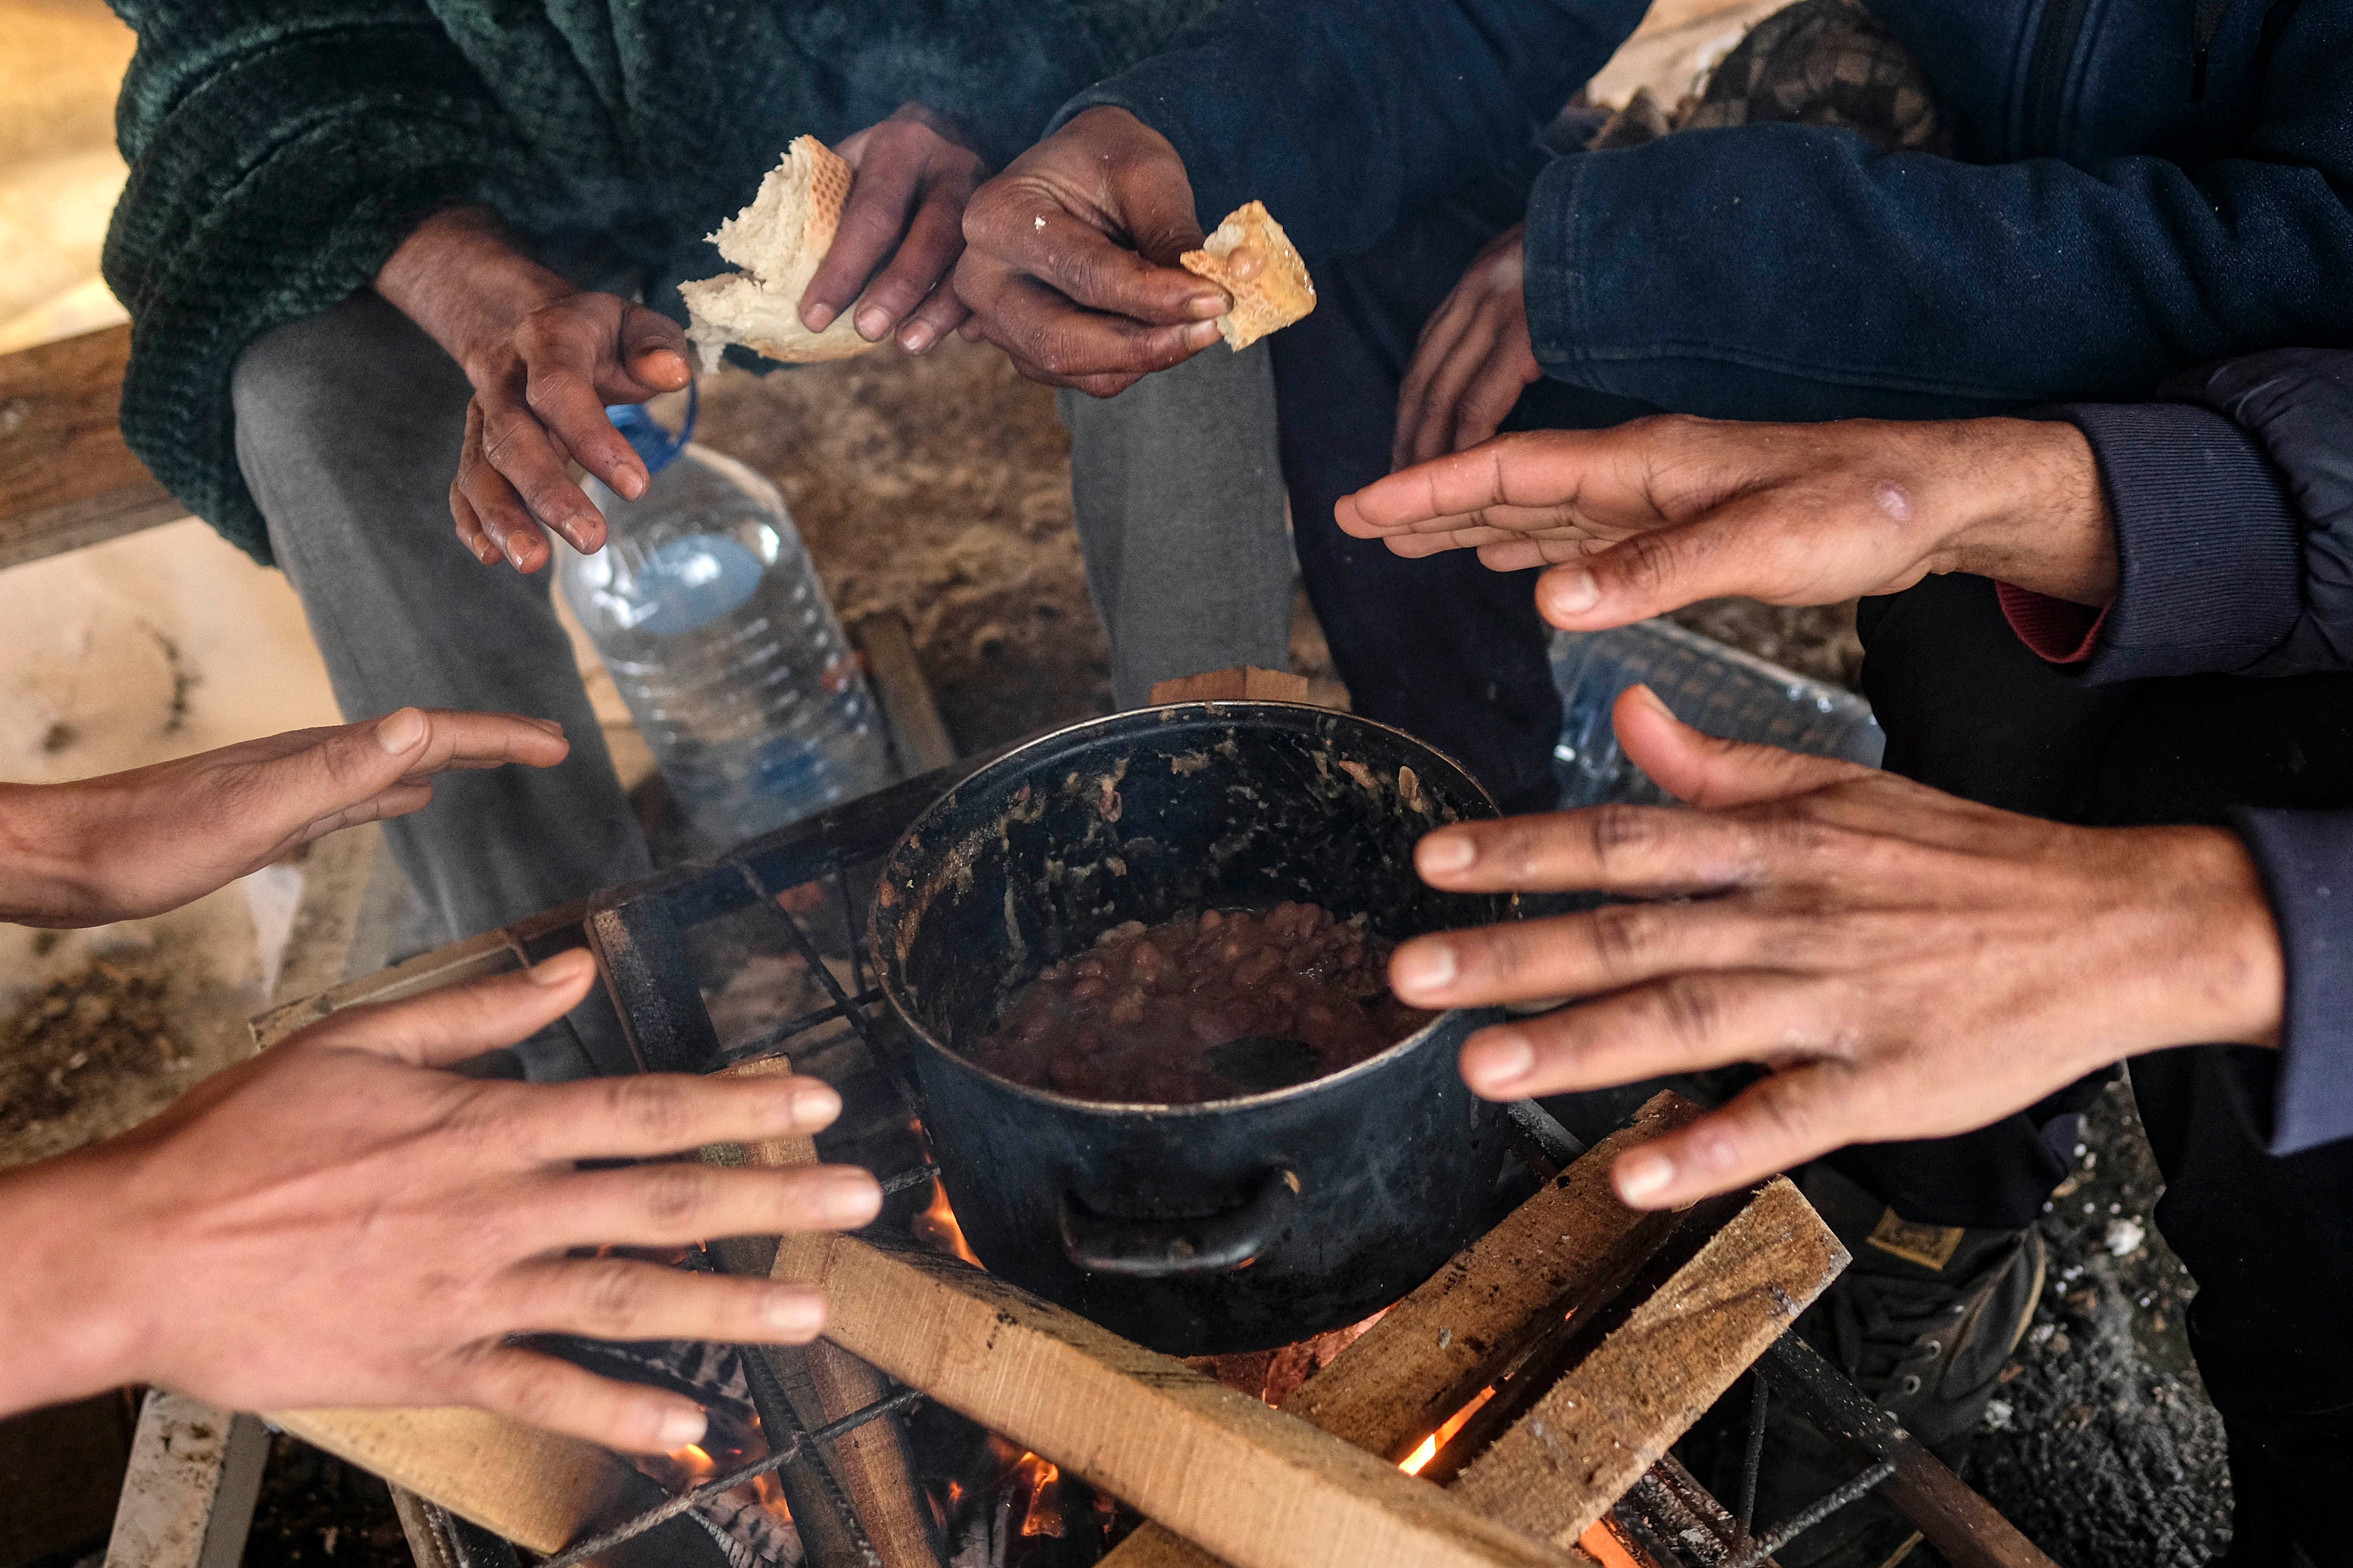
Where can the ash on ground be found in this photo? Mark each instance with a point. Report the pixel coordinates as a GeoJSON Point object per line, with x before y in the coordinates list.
{"type": "Point", "coordinates": [2101, 1446]}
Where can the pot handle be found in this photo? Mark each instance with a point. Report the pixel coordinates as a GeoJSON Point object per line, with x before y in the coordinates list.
{"type": "Point", "coordinates": [1157, 1248]}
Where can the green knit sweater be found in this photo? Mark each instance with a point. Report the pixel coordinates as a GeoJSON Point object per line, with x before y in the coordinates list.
{"type": "Point", "coordinates": [280, 149]}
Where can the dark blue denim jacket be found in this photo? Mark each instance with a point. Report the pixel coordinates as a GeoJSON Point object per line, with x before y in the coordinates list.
{"type": "Point", "coordinates": [2125, 203]}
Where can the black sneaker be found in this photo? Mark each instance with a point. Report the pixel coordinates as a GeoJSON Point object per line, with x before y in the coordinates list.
{"type": "Point", "coordinates": [1923, 1319]}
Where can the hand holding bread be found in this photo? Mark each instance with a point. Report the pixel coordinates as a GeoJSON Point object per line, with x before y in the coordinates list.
{"type": "Point", "coordinates": [823, 222]}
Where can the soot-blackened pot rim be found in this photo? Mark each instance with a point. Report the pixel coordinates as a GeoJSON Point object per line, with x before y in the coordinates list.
{"type": "Point", "coordinates": [1026, 755]}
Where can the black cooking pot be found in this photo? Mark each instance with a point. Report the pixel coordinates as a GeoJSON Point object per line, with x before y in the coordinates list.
{"type": "Point", "coordinates": [1238, 1224]}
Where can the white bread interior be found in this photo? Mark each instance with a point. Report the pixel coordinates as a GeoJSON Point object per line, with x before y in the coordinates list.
{"type": "Point", "coordinates": [779, 241]}
{"type": "Point", "coordinates": [1269, 290]}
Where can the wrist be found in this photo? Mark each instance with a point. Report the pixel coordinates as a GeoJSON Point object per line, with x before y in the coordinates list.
{"type": "Point", "coordinates": [2228, 974]}
{"type": "Point", "coordinates": [461, 276]}
{"type": "Point", "coordinates": [73, 1330]}
{"type": "Point", "coordinates": [50, 870]}
{"type": "Point", "coordinates": [2027, 508]}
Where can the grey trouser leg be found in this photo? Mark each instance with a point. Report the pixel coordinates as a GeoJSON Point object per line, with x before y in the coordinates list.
{"type": "Point", "coordinates": [347, 431]}
{"type": "Point", "coordinates": [1178, 494]}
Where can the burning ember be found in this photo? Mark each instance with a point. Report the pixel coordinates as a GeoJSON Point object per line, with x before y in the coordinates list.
{"type": "Point", "coordinates": [1412, 1463]}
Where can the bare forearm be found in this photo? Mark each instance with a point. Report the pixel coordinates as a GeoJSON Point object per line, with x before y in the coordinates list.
{"type": "Point", "coordinates": [461, 276]}
{"type": "Point", "coordinates": [69, 1333]}
{"type": "Point", "coordinates": [46, 875]}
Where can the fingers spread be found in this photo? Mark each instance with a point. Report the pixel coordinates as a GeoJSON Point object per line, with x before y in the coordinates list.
{"type": "Point", "coordinates": [541, 1391]}
{"type": "Point", "coordinates": [672, 1204]}
{"type": "Point", "coordinates": [623, 1298]}
{"type": "Point", "coordinates": [1681, 1024]}
{"type": "Point", "coordinates": [1709, 771]}
{"type": "Point", "coordinates": [652, 1114]}
{"type": "Point", "coordinates": [461, 1021]}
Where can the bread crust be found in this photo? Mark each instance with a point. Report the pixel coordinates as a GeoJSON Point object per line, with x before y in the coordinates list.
{"type": "Point", "coordinates": [1267, 281]}
{"type": "Point", "coordinates": [779, 241]}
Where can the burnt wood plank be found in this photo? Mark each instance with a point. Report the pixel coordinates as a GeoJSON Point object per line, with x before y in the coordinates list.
{"type": "Point", "coordinates": [1576, 1450]}
{"type": "Point", "coordinates": [1259, 1489]}
{"type": "Point", "coordinates": [67, 480]}
{"type": "Point", "coordinates": [1565, 1249]}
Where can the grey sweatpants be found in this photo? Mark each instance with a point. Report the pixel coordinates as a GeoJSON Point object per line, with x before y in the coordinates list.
{"type": "Point", "coordinates": [1178, 489]}
{"type": "Point", "coordinates": [347, 429]}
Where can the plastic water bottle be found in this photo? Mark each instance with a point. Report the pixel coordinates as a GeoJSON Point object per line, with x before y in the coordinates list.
{"type": "Point", "coordinates": [708, 613]}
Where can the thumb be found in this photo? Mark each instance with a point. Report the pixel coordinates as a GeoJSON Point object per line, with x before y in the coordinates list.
{"type": "Point", "coordinates": [1709, 771]}
{"type": "Point", "coordinates": [653, 348]}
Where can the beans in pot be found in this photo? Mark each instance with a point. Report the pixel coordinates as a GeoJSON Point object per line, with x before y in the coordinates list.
{"type": "Point", "coordinates": [1206, 1006]}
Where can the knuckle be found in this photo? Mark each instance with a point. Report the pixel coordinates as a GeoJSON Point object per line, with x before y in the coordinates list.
{"type": "Point", "coordinates": [1689, 1009]}
{"type": "Point", "coordinates": [1648, 563]}
{"type": "Point", "coordinates": [1622, 934]}
{"type": "Point", "coordinates": [1616, 834]}
{"type": "Point", "coordinates": [614, 1292]}
{"type": "Point", "coordinates": [650, 1106]}
{"type": "Point", "coordinates": [673, 1195]}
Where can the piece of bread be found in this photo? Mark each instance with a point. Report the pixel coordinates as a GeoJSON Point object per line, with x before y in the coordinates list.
{"type": "Point", "coordinates": [779, 241]}
{"type": "Point", "coordinates": [1253, 260]}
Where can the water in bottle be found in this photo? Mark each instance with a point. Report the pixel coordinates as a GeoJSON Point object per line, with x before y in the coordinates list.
{"type": "Point", "coordinates": [714, 626]}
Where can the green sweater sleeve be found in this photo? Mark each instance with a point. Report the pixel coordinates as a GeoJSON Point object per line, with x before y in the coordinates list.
{"type": "Point", "coordinates": [279, 151]}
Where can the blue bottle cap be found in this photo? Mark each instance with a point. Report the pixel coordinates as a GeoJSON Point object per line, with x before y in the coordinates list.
{"type": "Point", "coordinates": [647, 436]}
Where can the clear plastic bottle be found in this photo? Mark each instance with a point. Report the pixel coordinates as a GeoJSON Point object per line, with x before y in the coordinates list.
{"type": "Point", "coordinates": [709, 615]}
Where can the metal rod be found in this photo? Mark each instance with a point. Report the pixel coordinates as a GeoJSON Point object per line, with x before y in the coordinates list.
{"type": "Point", "coordinates": [913, 1177]}
{"type": "Point", "coordinates": [777, 1034]}
{"type": "Point", "coordinates": [1752, 1463]}
{"type": "Point", "coordinates": [778, 1414]}
{"type": "Point", "coordinates": [630, 1529]}
{"type": "Point", "coordinates": [1809, 1517]}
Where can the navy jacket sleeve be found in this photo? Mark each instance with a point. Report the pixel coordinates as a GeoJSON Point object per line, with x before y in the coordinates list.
{"type": "Point", "coordinates": [2306, 861]}
{"type": "Point", "coordinates": [2233, 510]}
{"type": "Point", "coordinates": [1340, 116]}
{"type": "Point", "coordinates": [1787, 271]}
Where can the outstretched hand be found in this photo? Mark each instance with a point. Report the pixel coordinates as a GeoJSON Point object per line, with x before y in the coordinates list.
{"type": "Point", "coordinates": [342, 1221]}
{"type": "Point", "coordinates": [1905, 964]}
{"type": "Point", "coordinates": [1662, 512]}
{"type": "Point", "coordinates": [141, 842]}
{"type": "Point", "coordinates": [1071, 265]}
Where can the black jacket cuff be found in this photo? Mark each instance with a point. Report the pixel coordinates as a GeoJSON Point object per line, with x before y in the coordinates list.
{"type": "Point", "coordinates": [2306, 861]}
{"type": "Point", "coordinates": [2209, 556]}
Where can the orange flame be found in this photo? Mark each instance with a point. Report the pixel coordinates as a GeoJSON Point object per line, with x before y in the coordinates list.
{"type": "Point", "coordinates": [1412, 1463]}
{"type": "Point", "coordinates": [936, 1227]}
{"type": "Point", "coordinates": [1042, 1515]}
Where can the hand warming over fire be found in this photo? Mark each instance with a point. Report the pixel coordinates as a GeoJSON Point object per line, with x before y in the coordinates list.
{"type": "Point", "coordinates": [1474, 358]}
{"type": "Point", "coordinates": [1659, 513]}
{"type": "Point", "coordinates": [141, 842]}
{"type": "Point", "coordinates": [342, 1221]}
{"type": "Point", "coordinates": [1905, 964]}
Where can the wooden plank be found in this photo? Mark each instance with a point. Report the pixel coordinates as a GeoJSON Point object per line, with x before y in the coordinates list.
{"type": "Point", "coordinates": [187, 1502]}
{"type": "Point", "coordinates": [1567, 1247]}
{"type": "Point", "coordinates": [918, 734]}
{"type": "Point", "coordinates": [1240, 683]}
{"type": "Point", "coordinates": [537, 1488]}
{"type": "Point", "coordinates": [477, 956]}
{"type": "Point", "coordinates": [67, 480]}
{"type": "Point", "coordinates": [1576, 1450]}
{"type": "Point", "coordinates": [824, 1382]}
{"type": "Point", "coordinates": [1258, 1488]}
{"type": "Point", "coordinates": [1571, 1246]}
